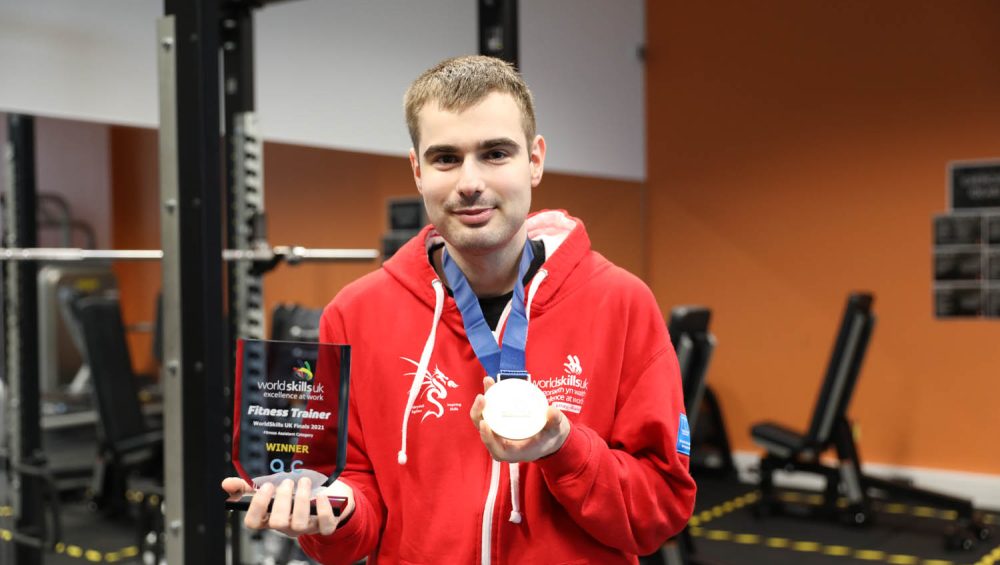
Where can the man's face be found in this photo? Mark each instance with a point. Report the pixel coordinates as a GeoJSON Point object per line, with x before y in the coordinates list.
{"type": "Point", "coordinates": [475, 173]}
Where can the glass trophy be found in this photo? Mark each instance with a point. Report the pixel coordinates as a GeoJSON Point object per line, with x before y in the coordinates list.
{"type": "Point", "coordinates": [290, 414]}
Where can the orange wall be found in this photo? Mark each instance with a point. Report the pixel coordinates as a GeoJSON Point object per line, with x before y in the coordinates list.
{"type": "Point", "coordinates": [326, 198]}
{"type": "Point", "coordinates": [797, 151]}
{"type": "Point", "coordinates": [136, 225]}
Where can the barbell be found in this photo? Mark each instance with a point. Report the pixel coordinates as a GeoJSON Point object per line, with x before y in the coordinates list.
{"type": "Point", "coordinates": [290, 254]}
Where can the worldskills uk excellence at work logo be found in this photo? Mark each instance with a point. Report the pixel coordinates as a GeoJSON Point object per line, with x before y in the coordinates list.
{"type": "Point", "coordinates": [303, 370]}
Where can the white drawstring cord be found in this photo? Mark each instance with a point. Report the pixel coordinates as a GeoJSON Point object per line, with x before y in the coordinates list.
{"type": "Point", "coordinates": [515, 487]}
{"type": "Point", "coordinates": [515, 468]}
{"type": "Point", "coordinates": [425, 358]}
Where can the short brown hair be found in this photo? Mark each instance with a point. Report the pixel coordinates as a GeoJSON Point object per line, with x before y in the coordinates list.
{"type": "Point", "coordinates": [462, 82]}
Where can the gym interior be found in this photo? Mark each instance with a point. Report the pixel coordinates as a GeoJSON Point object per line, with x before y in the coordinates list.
{"type": "Point", "coordinates": [811, 190]}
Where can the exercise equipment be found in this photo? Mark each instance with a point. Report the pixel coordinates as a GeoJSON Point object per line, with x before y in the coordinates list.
{"type": "Point", "coordinates": [63, 367]}
{"type": "Point", "coordinates": [695, 345]}
{"type": "Point", "coordinates": [127, 443]}
{"type": "Point", "coordinates": [830, 429]}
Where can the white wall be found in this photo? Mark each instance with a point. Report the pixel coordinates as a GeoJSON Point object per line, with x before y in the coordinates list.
{"type": "Point", "coordinates": [580, 59]}
{"type": "Point", "coordinates": [332, 73]}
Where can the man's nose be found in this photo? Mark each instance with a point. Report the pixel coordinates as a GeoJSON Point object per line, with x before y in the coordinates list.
{"type": "Point", "coordinates": [470, 181]}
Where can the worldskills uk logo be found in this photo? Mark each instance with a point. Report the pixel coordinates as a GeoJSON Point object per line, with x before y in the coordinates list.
{"type": "Point", "coordinates": [303, 370]}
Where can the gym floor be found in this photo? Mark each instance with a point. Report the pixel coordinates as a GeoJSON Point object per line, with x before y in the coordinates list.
{"type": "Point", "coordinates": [725, 531]}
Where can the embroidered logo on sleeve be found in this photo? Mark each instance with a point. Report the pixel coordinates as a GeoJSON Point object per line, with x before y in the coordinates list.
{"type": "Point", "coordinates": [684, 436]}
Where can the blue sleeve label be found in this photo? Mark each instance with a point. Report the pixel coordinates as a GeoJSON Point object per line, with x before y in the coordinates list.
{"type": "Point", "coordinates": [684, 437]}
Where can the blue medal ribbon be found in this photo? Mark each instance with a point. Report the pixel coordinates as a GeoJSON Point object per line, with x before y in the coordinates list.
{"type": "Point", "coordinates": [503, 361]}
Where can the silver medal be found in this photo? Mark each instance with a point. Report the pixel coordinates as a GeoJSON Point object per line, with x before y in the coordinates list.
{"type": "Point", "coordinates": [515, 409]}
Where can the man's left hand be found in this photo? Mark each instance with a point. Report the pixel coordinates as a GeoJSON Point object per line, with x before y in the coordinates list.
{"type": "Point", "coordinates": [545, 442]}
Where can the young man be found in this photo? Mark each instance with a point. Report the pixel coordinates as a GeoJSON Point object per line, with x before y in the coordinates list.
{"type": "Point", "coordinates": [606, 478]}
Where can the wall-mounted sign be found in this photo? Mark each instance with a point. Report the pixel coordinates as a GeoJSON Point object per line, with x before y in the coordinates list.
{"type": "Point", "coordinates": [966, 256]}
{"type": "Point", "coordinates": [993, 301]}
{"type": "Point", "coordinates": [958, 229]}
{"type": "Point", "coordinates": [958, 300]}
{"type": "Point", "coordinates": [974, 184]}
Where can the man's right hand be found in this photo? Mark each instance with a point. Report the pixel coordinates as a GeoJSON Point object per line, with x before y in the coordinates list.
{"type": "Point", "coordinates": [290, 511]}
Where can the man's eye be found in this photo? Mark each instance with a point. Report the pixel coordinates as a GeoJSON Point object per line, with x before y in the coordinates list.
{"type": "Point", "coordinates": [496, 155]}
{"type": "Point", "coordinates": [446, 159]}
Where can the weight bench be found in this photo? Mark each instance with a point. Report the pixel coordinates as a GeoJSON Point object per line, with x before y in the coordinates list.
{"type": "Point", "coordinates": [127, 445]}
{"type": "Point", "coordinates": [788, 450]}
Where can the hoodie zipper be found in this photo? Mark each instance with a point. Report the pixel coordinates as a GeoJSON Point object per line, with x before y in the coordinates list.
{"type": "Point", "coordinates": [491, 496]}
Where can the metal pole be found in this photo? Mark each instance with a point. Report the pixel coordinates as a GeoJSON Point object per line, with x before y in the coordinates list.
{"type": "Point", "coordinates": [191, 217]}
{"type": "Point", "coordinates": [498, 31]}
{"type": "Point", "coordinates": [244, 217]}
{"type": "Point", "coordinates": [21, 332]}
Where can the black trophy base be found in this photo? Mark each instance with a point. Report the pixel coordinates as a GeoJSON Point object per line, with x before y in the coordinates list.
{"type": "Point", "coordinates": [337, 502]}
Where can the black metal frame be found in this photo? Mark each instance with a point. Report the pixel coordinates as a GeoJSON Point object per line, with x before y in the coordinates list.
{"type": "Point", "coordinates": [245, 218]}
{"type": "Point", "coordinates": [196, 456]}
{"type": "Point", "coordinates": [25, 461]}
{"type": "Point", "coordinates": [498, 30]}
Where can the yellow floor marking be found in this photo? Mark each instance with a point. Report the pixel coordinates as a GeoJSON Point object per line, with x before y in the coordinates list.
{"type": "Point", "coordinates": [722, 509]}
{"type": "Point", "coordinates": [895, 508]}
{"type": "Point", "coordinates": [778, 542]}
{"type": "Point", "coordinates": [924, 511]}
{"type": "Point", "coordinates": [92, 555]}
{"type": "Point", "coordinates": [937, 562]}
{"type": "Point", "coordinates": [697, 532]}
{"type": "Point", "coordinates": [806, 546]}
{"type": "Point", "coordinates": [746, 538]}
{"type": "Point", "coordinates": [903, 559]}
{"type": "Point", "coordinates": [838, 550]}
{"type": "Point", "coordinates": [869, 555]}
{"type": "Point", "coordinates": [718, 535]}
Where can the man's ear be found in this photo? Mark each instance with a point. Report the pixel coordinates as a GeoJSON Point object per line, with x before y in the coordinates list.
{"type": "Point", "coordinates": [537, 160]}
{"type": "Point", "coordinates": [415, 165]}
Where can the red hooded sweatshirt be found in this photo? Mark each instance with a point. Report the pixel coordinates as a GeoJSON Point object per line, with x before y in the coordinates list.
{"type": "Point", "coordinates": [427, 490]}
